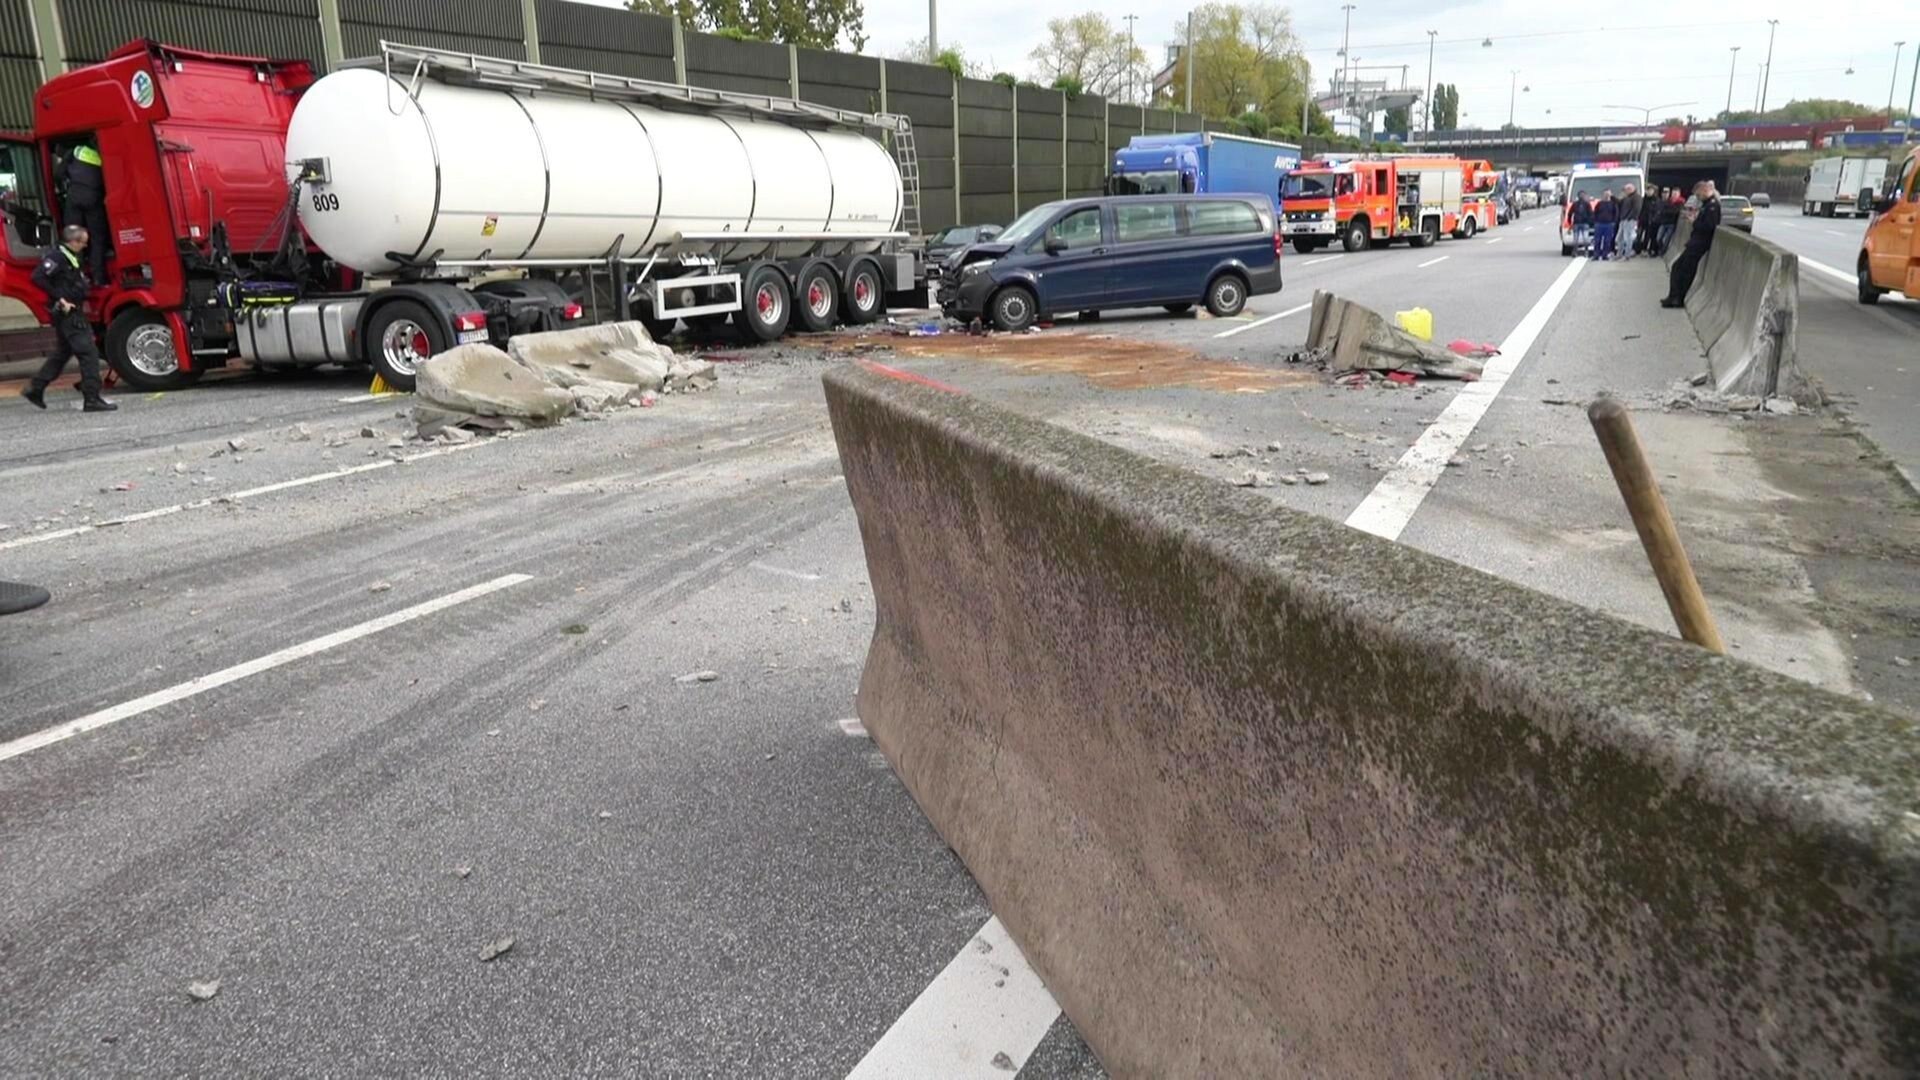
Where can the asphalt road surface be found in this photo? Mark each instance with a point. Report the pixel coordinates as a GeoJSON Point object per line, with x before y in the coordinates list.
{"type": "Point", "coordinates": [331, 721]}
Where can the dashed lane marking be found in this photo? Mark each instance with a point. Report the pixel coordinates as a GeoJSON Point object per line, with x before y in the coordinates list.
{"type": "Point", "coordinates": [1431, 262]}
{"type": "Point", "coordinates": [1262, 322]}
{"type": "Point", "coordinates": [1318, 261]}
{"type": "Point", "coordinates": [1387, 509]}
{"type": "Point", "coordinates": [193, 687]}
{"type": "Point", "coordinates": [1495, 240]}
{"type": "Point", "coordinates": [986, 1003]}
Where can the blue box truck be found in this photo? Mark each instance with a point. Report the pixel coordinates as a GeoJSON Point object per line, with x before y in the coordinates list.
{"type": "Point", "coordinates": [1202, 162]}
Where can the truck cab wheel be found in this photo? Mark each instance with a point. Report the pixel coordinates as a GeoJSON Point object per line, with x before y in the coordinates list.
{"type": "Point", "coordinates": [818, 300]}
{"type": "Point", "coordinates": [141, 351]}
{"type": "Point", "coordinates": [768, 306]}
{"type": "Point", "coordinates": [1356, 238]}
{"type": "Point", "coordinates": [401, 336]}
{"type": "Point", "coordinates": [1013, 309]}
{"type": "Point", "coordinates": [865, 294]}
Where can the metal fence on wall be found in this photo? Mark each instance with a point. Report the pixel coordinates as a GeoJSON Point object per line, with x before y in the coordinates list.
{"type": "Point", "coordinates": [987, 151]}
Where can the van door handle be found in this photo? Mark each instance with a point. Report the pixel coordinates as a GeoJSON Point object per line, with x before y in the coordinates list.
{"type": "Point", "coordinates": [1098, 251]}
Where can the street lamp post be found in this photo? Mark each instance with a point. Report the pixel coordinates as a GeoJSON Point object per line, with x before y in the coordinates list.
{"type": "Point", "coordinates": [1766, 81]}
{"type": "Point", "coordinates": [1732, 67]}
{"type": "Point", "coordinates": [1512, 94]}
{"type": "Point", "coordinates": [1895, 81]}
{"type": "Point", "coordinates": [933, 30]}
{"type": "Point", "coordinates": [1346, 61]}
{"type": "Point", "coordinates": [1131, 19]}
{"type": "Point", "coordinates": [1646, 120]}
{"type": "Point", "coordinates": [1431, 35]}
{"type": "Point", "coordinates": [1912, 81]}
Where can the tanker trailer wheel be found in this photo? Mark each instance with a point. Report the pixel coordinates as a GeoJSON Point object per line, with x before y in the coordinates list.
{"type": "Point", "coordinates": [768, 306]}
{"type": "Point", "coordinates": [401, 336]}
{"type": "Point", "coordinates": [865, 294]}
{"type": "Point", "coordinates": [818, 298]}
{"type": "Point", "coordinates": [140, 349]}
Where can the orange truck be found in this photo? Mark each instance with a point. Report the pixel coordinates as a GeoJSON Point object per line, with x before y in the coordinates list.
{"type": "Point", "coordinates": [1890, 253]}
{"type": "Point", "coordinates": [1362, 201]}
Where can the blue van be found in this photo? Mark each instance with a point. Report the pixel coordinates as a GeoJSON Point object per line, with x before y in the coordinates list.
{"type": "Point", "coordinates": [1126, 251]}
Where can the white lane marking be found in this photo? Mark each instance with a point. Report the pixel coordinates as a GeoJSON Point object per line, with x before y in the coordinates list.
{"type": "Point", "coordinates": [1387, 509]}
{"type": "Point", "coordinates": [192, 687]}
{"type": "Point", "coordinates": [1830, 271]}
{"type": "Point", "coordinates": [1495, 240]}
{"type": "Point", "coordinates": [249, 493]}
{"type": "Point", "coordinates": [1262, 322]}
{"type": "Point", "coordinates": [1430, 262]}
{"type": "Point", "coordinates": [1527, 228]}
{"type": "Point", "coordinates": [354, 398]}
{"type": "Point", "coordinates": [1833, 232]}
{"type": "Point", "coordinates": [853, 728]}
{"type": "Point", "coordinates": [988, 1001]}
{"type": "Point", "coordinates": [1318, 261]}
{"type": "Point", "coordinates": [798, 575]}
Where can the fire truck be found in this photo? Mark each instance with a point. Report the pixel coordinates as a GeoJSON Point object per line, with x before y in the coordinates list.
{"type": "Point", "coordinates": [1365, 200]}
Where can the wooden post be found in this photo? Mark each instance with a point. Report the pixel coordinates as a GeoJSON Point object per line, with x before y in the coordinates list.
{"type": "Point", "coordinates": [1654, 523]}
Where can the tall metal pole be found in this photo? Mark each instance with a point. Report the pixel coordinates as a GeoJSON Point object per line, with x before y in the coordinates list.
{"type": "Point", "coordinates": [1346, 60]}
{"type": "Point", "coordinates": [1131, 19]}
{"type": "Point", "coordinates": [1895, 81]}
{"type": "Point", "coordinates": [1912, 81]}
{"type": "Point", "coordinates": [1431, 35]}
{"type": "Point", "coordinates": [1731, 68]}
{"type": "Point", "coordinates": [1190, 60]}
{"type": "Point", "coordinates": [933, 30]}
{"type": "Point", "coordinates": [1513, 87]}
{"type": "Point", "coordinates": [1766, 81]}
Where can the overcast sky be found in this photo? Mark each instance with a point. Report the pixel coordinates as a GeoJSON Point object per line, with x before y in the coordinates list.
{"type": "Point", "coordinates": [1575, 73]}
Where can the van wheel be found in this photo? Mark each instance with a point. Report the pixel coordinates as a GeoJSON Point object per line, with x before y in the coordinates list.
{"type": "Point", "coordinates": [1227, 296]}
{"type": "Point", "coordinates": [1356, 238]}
{"type": "Point", "coordinates": [864, 294]}
{"type": "Point", "coordinates": [768, 307]}
{"type": "Point", "coordinates": [1013, 309]}
{"type": "Point", "coordinates": [1869, 292]}
{"type": "Point", "coordinates": [819, 298]}
{"type": "Point", "coordinates": [400, 338]}
{"type": "Point", "coordinates": [140, 350]}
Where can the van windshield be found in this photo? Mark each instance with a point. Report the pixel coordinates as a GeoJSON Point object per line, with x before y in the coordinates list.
{"type": "Point", "coordinates": [1316, 185]}
{"type": "Point", "coordinates": [1592, 187]}
{"type": "Point", "coordinates": [1026, 226]}
{"type": "Point", "coordinates": [1145, 183]}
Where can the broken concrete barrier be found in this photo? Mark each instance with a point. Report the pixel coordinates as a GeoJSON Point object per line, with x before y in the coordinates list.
{"type": "Point", "coordinates": [480, 380]}
{"type": "Point", "coordinates": [619, 352]}
{"type": "Point", "coordinates": [1262, 795]}
{"type": "Point", "coordinates": [1353, 337]}
{"type": "Point", "coordinates": [1744, 306]}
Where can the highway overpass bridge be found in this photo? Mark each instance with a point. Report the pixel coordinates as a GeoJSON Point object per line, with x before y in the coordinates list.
{"type": "Point", "coordinates": [1549, 150]}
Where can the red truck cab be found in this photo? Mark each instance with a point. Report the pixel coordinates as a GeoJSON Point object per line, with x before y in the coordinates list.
{"type": "Point", "coordinates": [190, 141]}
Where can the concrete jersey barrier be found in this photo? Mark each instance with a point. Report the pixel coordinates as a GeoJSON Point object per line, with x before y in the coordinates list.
{"type": "Point", "coordinates": [1262, 795]}
{"type": "Point", "coordinates": [1744, 306]}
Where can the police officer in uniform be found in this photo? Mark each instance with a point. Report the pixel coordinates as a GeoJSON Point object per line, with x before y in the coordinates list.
{"type": "Point", "coordinates": [1699, 243]}
{"type": "Point", "coordinates": [87, 201]}
{"type": "Point", "coordinates": [61, 276]}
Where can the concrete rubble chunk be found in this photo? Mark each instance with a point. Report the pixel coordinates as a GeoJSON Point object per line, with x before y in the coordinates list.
{"type": "Point", "coordinates": [619, 354]}
{"type": "Point", "coordinates": [1254, 478]}
{"type": "Point", "coordinates": [480, 380]}
{"type": "Point", "coordinates": [690, 375]}
{"type": "Point", "coordinates": [1348, 337]}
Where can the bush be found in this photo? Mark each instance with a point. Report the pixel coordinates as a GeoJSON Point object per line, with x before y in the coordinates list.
{"type": "Point", "coordinates": [734, 33]}
{"type": "Point", "coordinates": [1069, 85]}
{"type": "Point", "coordinates": [1254, 123]}
{"type": "Point", "coordinates": [1006, 78]}
{"type": "Point", "coordinates": [951, 59]}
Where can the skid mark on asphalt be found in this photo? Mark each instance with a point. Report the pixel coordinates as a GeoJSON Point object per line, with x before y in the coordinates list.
{"type": "Point", "coordinates": [194, 687]}
{"type": "Point", "coordinates": [980, 1017]}
{"type": "Point", "coordinates": [1393, 501]}
{"type": "Point", "coordinates": [1107, 361]}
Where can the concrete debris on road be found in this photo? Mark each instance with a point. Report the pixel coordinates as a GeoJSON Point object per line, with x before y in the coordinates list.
{"type": "Point", "coordinates": [463, 871]}
{"type": "Point", "coordinates": [1315, 478]}
{"type": "Point", "coordinates": [690, 375]}
{"type": "Point", "coordinates": [1002, 1062]}
{"type": "Point", "coordinates": [203, 990]}
{"type": "Point", "coordinates": [1254, 478]}
{"type": "Point", "coordinates": [692, 677]}
{"type": "Point", "coordinates": [611, 354]}
{"type": "Point", "coordinates": [483, 381]}
{"type": "Point", "coordinates": [1344, 337]}
{"type": "Point", "coordinates": [1232, 452]}
{"type": "Point", "coordinates": [180, 468]}
{"type": "Point", "coordinates": [496, 950]}
{"type": "Point", "coordinates": [380, 586]}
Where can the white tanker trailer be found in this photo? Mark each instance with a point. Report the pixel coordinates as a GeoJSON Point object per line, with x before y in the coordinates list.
{"type": "Point", "coordinates": [609, 197]}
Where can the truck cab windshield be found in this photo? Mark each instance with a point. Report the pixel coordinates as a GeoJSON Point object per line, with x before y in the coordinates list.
{"type": "Point", "coordinates": [1165, 182]}
{"type": "Point", "coordinates": [1316, 185]}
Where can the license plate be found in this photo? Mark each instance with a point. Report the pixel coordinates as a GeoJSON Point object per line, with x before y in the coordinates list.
{"type": "Point", "coordinates": [468, 337]}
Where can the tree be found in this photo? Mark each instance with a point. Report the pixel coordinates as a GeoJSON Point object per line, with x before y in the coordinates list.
{"type": "Point", "coordinates": [1087, 49]}
{"type": "Point", "coordinates": [1244, 55]}
{"type": "Point", "coordinates": [1398, 122]}
{"type": "Point", "coordinates": [1256, 123]}
{"type": "Point", "coordinates": [1446, 107]}
{"type": "Point", "coordinates": [817, 24]}
{"type": "Point", "coordinates": [1006, 78]}
{"type": "Point", "coordinates": [952, 58]}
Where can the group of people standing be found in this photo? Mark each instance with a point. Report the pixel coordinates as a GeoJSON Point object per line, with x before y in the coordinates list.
{"type": "Point", "coordinates": [1622, 226]}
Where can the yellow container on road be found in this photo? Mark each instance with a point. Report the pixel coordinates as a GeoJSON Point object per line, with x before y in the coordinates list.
{"type": "Point", "coordinates": [1418, 322]}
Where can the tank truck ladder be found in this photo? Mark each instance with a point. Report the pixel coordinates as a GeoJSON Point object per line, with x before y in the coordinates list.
{"type": "Point", "coordinates": [908, 158]}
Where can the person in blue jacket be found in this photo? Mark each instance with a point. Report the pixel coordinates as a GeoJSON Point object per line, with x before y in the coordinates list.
{"type": "Point", "coordinates": [1606, 219]}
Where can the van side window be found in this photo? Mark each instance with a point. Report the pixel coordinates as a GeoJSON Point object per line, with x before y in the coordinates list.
{"type": "Point", "coordinates": [1140, 222]}
{"type": "Point", "coordinates": [1223, 218]}
{"type": "Point", "coordinates": [1080, 229]}
{"type": "Point", "coordinates": [1907, 180]}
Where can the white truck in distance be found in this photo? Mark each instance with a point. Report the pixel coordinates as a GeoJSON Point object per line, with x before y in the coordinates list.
{"type": "Point", "coordinates": [1835, 185]}
{"type": "Point", "coordinates": [613, 197]}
